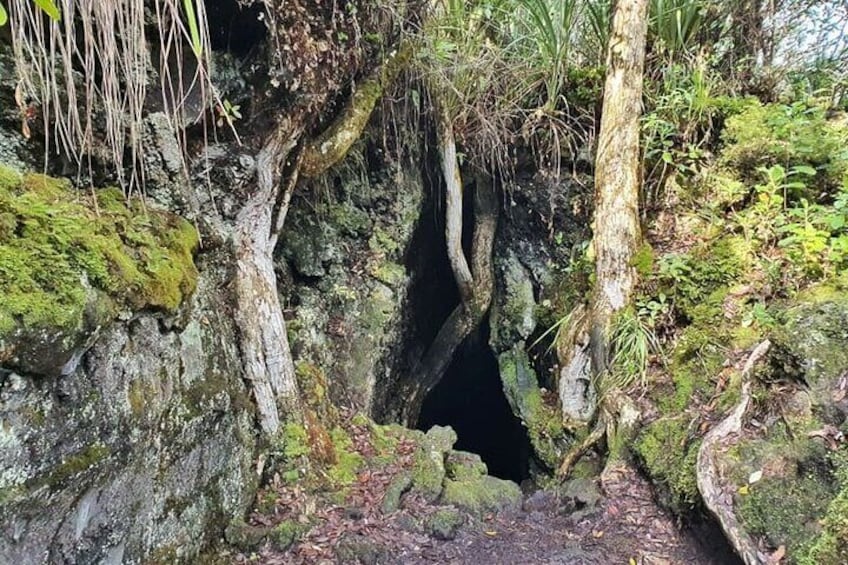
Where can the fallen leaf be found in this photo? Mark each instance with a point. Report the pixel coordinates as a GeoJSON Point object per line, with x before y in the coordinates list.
{"type": "Point", "coordinates": [743, 490]}
{"type": "Point", "coordinates": [491, 533]}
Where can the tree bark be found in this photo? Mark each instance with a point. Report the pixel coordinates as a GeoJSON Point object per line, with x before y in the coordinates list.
{"type": "Point", "coordinates": [262, 329]}
{"type": "Point", "coordinates": [617, 234]}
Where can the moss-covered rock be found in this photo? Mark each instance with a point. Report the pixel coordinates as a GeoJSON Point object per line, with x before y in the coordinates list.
{"type": "Point", "coordinates": [444, 523]}
{"type": "Point", "coordinates": [542, 420]}
{"type": "Point", "coordinates": [669, 455]}
{"type": "Point", "coordinates": [69, 261]}
{"type": "Point", "coordinates": [462, 465]}
{"type": "Point", "coordinates": [398, 486]}
{"type": "Point", "coordinates": [483, 494]}
{"type": "Point", "coordinates": [428, 470]}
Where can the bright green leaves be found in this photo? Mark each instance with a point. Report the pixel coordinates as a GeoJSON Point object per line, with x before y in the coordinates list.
{"type": "Point", "coordinates": [49, 7]}
{"type": "Point", "coordinates": [193, 27]}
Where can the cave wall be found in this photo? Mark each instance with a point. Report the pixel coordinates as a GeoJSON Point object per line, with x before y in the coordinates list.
{"type": "Point", "coordinates": [544, 224]}
{"type": "Point", "coordinates": [343, 260]}
{"type": "Point", "coordinates": [144, 451]}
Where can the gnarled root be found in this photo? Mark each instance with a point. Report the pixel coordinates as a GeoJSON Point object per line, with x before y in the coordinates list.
{"type": "Point", "coordinates": [707, 471]}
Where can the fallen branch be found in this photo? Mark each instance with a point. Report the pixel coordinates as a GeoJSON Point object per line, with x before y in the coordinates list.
{"type": "Point", "coordinates": [709, 481]}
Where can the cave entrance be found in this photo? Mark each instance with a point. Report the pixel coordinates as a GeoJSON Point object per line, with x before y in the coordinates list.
{"type": "Point", "coordinates": [470, 399]}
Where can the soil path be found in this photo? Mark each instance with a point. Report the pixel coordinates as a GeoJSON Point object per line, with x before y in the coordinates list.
{"type": "Point", "coordinates": [625, 526]}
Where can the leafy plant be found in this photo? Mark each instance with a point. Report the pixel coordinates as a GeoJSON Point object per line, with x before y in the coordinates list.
{"type": "Point", "coordinates": [549, 24]}
{"type": "Point", "coordinates": [675, 23]}
{"type": "Point", "coordinates": [632, 342]}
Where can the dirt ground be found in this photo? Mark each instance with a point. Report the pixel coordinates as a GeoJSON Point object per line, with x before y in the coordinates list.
{"type": "Point", "coordinates": [620, 524]}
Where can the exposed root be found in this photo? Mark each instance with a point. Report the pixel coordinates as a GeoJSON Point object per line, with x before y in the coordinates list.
{"type": "Point", "coordinates": [707, 471]}
{"type": "Point", "coordinates": [573, 456]}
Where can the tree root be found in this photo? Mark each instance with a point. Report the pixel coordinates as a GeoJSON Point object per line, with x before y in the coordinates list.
{"type": "Point", "coordinates": [578, 451]}
{"type": "Point", "coordinates": [707, 470]}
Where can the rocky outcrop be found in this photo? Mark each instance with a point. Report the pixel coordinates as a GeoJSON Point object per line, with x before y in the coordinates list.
{"type": "Point", "coordinates": [534, 260]}
{"type": "Point", "coordinates": [142, 452]}
{"type": "Point", "coordinates": [785, 476]}
{"type": "Point", "coordinates": [345, 260]}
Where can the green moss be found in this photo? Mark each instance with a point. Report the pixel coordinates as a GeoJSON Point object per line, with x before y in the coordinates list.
{"type": "Point", "coordinates": [444, 523]}
{"type": "Point", "coordinates": [461, 465]}
{"type": "Point", "coordinates": [286, 533]}
{"type": "Point", "coordinates": [428, 472]}
{"type": "Point", "coordinates": [348, 461]}
{"type": "Point", "coordinates": [295, 441]}
{"type": "Point", "coordinates": [141, 258]}
{"type": "Point", "coordinates": [72, 466]}
{"type": "Point", "coordinates": [382, 242]}
{"type": "Point", "coordinates": [669, 457]}
{"type": "Point", "coordinates": [831, 545]}
{"type": "Point", "coordinates": [483, 494]}
{"type": "Point", "coordinates": [785, 510]}
{"type": "Point", "coordinates": [643, 260]}
{"type": "Point", "coordinates": [389, 273]}
{"type": "Point", "coordinates": [543, 422]}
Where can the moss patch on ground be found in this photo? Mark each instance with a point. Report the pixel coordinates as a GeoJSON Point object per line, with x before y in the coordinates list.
{"type": "Point", "coordinates": [57, 243]}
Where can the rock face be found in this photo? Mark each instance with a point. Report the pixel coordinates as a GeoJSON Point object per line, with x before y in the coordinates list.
{"type": "Point", "coordinates": [348, 283]}
{"type": "Point", "coordinates": [788, 472]}
{"type": "Point", "coordinates": [535, 248]}
{"type": "Point", "coordinates": [141, 452]}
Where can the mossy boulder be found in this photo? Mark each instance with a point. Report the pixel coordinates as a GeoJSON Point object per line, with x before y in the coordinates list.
{"type": "Point", "coordinates": [798, 499]}
{"type": "Point", "coordinates": [481, 495]}
{"type": "Point", "coordinates": [398, 486]}
{"type": "Point", "coordinates": [462, 465]}
{"type": "Point", "coordinates": [428, 471]}
{"type": "Point", "coordinates": [71, 261]}
{"type": "Point", "coordinates": [444, 523]}
{"type": "Point", "coordinates": [810, 345]}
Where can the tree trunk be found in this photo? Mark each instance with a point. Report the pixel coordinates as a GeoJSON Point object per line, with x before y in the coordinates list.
{"type": "Point", "coordinates": [616, 220]}
{"type": "Point", "coordinates": [262, 329]}
{"type": "Point", "coordinates": [468, 315]}
{"type": "Point", "coordinates": [616, 228]}
{"type": "Point", "coordinates": [453, 209]}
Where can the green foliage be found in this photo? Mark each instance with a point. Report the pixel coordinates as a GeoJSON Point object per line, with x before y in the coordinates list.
{"type": "Point", "coordinates": [632, 342]}
{"type": "Point", "coordinates": [813, 236]}
{"type": "Point", "coordinates": [674, 24]}
{"type": "Point", "coordinates": [549, 24]}
{"type": "Point", "coordinates": [787, 135]}
{"type": "Point", "coordinates": [54, 244]}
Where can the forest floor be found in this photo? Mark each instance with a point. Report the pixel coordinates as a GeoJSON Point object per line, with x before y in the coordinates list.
{"type": "Point", "coordinates": [624, 525]}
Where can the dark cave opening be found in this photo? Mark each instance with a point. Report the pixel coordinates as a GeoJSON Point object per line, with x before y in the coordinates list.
{"type": "Point", "coordinates": [470, 399]}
